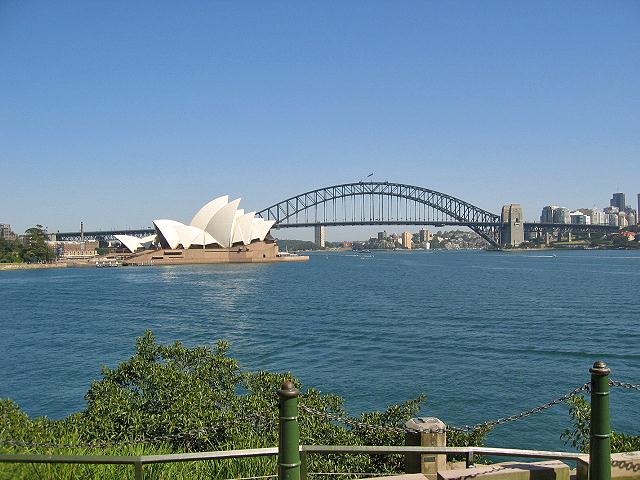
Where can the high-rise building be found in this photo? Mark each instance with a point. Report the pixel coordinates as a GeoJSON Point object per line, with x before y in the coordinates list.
{"type": "Point", "coordinates": [561, 215]}
{"type": "Point", "coordinates": [547, 214]}
{"type": "Point", "coordinates": [612, 219]}
{"type": "Point", "coordinates": [622, 220]}
{"type": "Point", "coordinates": [382, 235]}
{"type": "Point", "coordinates": [618, 201]}
{"type": "Point", "coordinates": [424, 235]}
{"type": "Point", "coordinates": [407, 240]}
{"type": "Point", "coordinates": [632, 216]}
{"type": "Point", "coordinates": [595, 214]}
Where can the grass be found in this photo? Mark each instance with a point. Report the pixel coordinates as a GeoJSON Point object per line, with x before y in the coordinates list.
{"type": "Point", "coordinates": [220, 469]}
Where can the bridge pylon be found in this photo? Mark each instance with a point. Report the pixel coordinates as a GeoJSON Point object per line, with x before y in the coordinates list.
{"type": "Point", "coordinates": [320, 238]}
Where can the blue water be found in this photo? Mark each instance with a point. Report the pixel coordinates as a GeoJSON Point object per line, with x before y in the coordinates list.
{"type": "Point", "coordinates": [482, 334]}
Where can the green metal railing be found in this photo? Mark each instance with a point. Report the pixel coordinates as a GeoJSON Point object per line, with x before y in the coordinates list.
{"type": "Point", "coordinates": [292, 457]}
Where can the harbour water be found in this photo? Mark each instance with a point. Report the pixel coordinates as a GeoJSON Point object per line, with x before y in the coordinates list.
{"type": "Point", "coordinates": [483, 334]}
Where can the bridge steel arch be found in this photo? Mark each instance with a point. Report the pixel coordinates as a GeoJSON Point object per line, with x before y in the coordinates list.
{"type": "Point", "coordinates": [382, 203]}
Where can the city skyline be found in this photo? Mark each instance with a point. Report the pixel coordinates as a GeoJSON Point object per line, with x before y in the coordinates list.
{"type": "Point", "coordinates": [494, 104]}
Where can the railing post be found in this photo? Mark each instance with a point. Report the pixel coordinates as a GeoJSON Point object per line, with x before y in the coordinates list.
{"type": "Point", "coordinates": [289, 438]}
{"type": "Point", "coordinates": [425, 432]}
{"type": "Point", "coordinates": [600, 441]}
{"type": "Point", "coordinates": [139, 473]}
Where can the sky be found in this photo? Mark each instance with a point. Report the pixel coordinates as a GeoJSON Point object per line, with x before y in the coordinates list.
{"type": "Point", "coordinates": [118, 113]}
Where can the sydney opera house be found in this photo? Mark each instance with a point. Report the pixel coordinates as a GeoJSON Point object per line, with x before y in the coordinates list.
{"type": "Point", "coordinates": [219, 232]}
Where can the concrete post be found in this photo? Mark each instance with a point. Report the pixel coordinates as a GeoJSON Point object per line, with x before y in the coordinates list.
{"type": "Point", "coordinates": [426, 432]}
{"type": "Point", "coordinates": [289, 438]}
{"type": "Point", "coordinates": [600, 439]}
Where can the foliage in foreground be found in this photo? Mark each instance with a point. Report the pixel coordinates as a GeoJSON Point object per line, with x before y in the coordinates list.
{"type": "Point", "coordinates": [202, 394]}
{"type": "Point", "coordinates": [578, 435]}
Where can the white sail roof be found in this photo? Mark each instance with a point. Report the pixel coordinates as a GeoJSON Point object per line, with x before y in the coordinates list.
{"type": "Point", "coordinates": [132, 243]}
{"type": "Point", "coordinates": [168, 230]}
{"type": "Point", "coordinates": [237, 234]}
{"type": "Point", "coordinates": [190, 235]}
{"type": "Point", "coordinates": [221, 224]}
{"type": "Point", "coordinates": [148, 240]}
{"type": "Point", "coordinates": [243, 227]}
{"type": "Point", "coordinates": [202, 218]}
{"type": "Point", "coordinates": [260, 228]}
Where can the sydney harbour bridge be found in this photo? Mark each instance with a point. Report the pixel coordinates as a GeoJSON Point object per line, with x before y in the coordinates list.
{"type": "Point", "coordinates": [382, 203]}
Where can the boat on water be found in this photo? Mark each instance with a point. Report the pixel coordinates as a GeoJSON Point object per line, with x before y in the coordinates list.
{"type": "Point", "coordinates": [286, 254]}
{"type": "Point", "coordinates": [108, 263]}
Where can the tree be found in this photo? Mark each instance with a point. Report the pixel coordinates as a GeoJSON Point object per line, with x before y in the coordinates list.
{"type": "Point", "coordinates": [36, 248]}
{"type": "Point", "coordinates": [10, 251]}
{"type": "Point", "coordinates": [578, 435]}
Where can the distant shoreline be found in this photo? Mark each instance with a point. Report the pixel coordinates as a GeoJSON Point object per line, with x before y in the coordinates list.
{"type": "Point", "coordinates": [30, 266]}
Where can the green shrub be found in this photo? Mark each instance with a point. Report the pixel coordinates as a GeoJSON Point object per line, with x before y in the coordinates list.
{"type": "Point", "coordinates": [578, 435]}
{"type": "Point", "coordinates": [198, 399]}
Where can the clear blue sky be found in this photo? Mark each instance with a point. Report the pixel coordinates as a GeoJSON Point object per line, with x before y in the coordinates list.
{"type": "Point", "coordinates": [117, 113]}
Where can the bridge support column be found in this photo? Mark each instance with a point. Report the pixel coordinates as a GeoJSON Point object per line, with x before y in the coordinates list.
{"type": "Point", "coordinates": [569, 236]}
{"type": "Point", "coordinates": [319, 237]}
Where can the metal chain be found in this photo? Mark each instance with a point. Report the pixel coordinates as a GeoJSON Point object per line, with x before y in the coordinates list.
{"type": "Point", "coordinates": [350, 421]}
{"type": "Point", "coordinates": [628, 386]}
{"type": "Point", "coordinates": [528, 413]}
{"type": "Point", "coordinates": [464, 428]}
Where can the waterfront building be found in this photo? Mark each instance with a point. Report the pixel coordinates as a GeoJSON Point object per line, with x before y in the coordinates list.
{"type": "Point", "coordinates": [618, 200]}
{"type": "Point", "coordinates": [407, 240]}
{"type": "Point", "coordinates": [513, 224]}
{"type": "Point", "coordinates": [424, 235]}
{"type": "Point", "coordinates": [547, 214]}
{"type": "Point", "coordinates": [76, 250]}
{"type": "Point", "coordinates": [218, 224]}
{"type": "Point", "coordinates": [382, 235]}
{"type": "Point", "coordinates": [320, 237]}
{"type": "Point", "coordinates": [612, 219]}
{"type": "Point", "coordinates": [6, 232]}
{"type": "Point", "coordinates": [561, 215]}
{"type": "Point", "coordinates": [219, 232]}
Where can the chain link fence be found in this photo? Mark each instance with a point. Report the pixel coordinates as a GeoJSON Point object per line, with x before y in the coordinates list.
{"type": "Point", "coordinates": [256, 418]}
